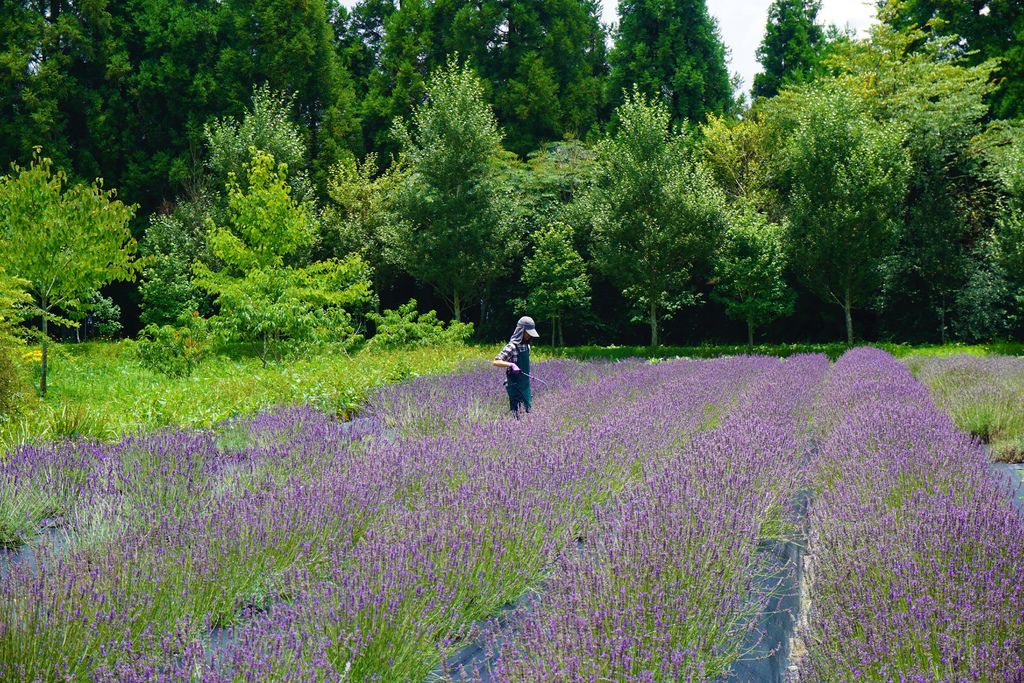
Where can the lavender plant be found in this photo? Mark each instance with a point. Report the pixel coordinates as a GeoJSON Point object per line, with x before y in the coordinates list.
{"type": "Point", "coordinates": [918, 551]}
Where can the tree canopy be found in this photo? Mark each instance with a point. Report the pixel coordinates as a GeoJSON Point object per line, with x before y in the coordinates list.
{"type": "Point", "coordinates": [791, 49]}
{"type": "Point", "coordinates": [671, 50]}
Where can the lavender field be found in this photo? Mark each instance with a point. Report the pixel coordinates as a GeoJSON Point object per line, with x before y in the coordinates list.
{"type": "Point", "coordinates": [743, 518]}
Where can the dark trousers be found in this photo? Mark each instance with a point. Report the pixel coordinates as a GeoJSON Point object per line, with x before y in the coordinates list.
{"type": "Point", "coordinates": [516, 399]}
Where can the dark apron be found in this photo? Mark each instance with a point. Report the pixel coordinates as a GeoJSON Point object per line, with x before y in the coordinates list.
{"type": "Point", "coordinates": [518, 386]}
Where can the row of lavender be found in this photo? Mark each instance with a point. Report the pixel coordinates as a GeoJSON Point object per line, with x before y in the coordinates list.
{"type": "Point", "coordinates": [918, 569]}
{"type": "Point", "coordinates": [524, 492]}
{"type": "Point", "coordinates": [362, 552]}
{"type": "Point", "coordinates": [668, 589]}
{"type": "Point", "coordinates": [322, 551]}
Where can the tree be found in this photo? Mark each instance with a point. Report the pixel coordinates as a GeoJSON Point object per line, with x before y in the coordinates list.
{"type": "Point", "coordinates": [359, 217]}
{"type": "Point", "coordinates": [750, 270]}
{"type": "Point", "coordinates": [922, 84]}
{"type": "Point", "coordinates": [399, 80]}
{"type": "Point", "coordinates": [542, 62]}
{"type": "Point", "coordinates": [739, 155]}
{"type": "Point", "coordinates": [291, 47]}
{"type": "Point", "coordinates": [670, 50]}
{"type": "Point", "coordinates": [556, 278]}
{"type": "Point", "coordinates": [790, 50]}
{"type": "Point", "coordinates": [984, 30]}
{"type": "Point", "coordinates": [1005, 167]}
{"type": "Point", "coordinates": [70, 240]}
{"type": "Point", "coordinates": [267, 126]}
{"type": "Point", "coordinates": [655, 211]}
{"type": "Point", "coordinates": [453, 230]}
{"type": "Point", "coordinates": [847, 179]}
{"type": "Point", "coordinates": [261, 295]}
{"type": "Point", "coordinates": [174, 242]}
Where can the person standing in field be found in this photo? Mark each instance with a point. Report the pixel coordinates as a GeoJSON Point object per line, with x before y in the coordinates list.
{"type": "Point", "coordinates": [515, 358]}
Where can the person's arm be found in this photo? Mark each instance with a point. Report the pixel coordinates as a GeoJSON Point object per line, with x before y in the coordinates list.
{"type": "Point", "coordinates": [501, 361]}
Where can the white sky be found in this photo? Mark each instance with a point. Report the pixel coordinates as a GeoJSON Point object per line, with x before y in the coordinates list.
{"type": "Point", "coordinates": [741, 24]}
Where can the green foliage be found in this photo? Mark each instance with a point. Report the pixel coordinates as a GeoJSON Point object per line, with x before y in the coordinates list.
{"type": "Point", "coordinates": [175, 350]}
{"type": "Point", "coordinates": [546, 76]}
{"type": "Point", "coordinates": [12, 387]}
{"type": "Point", "coordinates": [750, 270]}
{"type": "Point", "coordinates": [259, 295]}
{"type": "Point", "coordinates": [739, 154]}
{"type": "Point", "coordinates": [986, 30]}
{"type": "Point", "coordinates": [922, 84]}
{"type": "Point", "coordinates": [847, 178]}
{"type": "Point", "coordinates": [406, 328]}
{"type": "Point", "coordinates": [984, 305]}
{"type": "Point", "coordinates": [1004, 154]}
{"type": "Point", "coordinates": [173, 244]}
{"type": "Point", "coordinates": [266, 126]}
{"type": "Point", "coordinates": [105, 316]}
{"type": "Point", "coordinates": [454, 230]}
{"type": "Point", "coordinates": [670, 50]}
{"type": "Point", "coordinates": [360, 216]}
{"type": "Point", "coordinates": [790, 51]}
{"type": "Point", "coordinates": [558, 173]}
{"type": "Point", "coordinates": [14, 302]}
{"type": "Point", "coordinates": [542, 63]}
{"type": "Point", "coordinates": [556, 277]}
{"type": "Point", "coordinates": [105, 391]}
{"type": "Point", "coordinates": [655, 211]}
{"type": "Point", "coordinates": [290, 47]}
{"type": "Point", "coordinates": [70, 240]}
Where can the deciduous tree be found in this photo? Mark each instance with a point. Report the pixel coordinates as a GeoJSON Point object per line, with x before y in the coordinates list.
{"type": "Point", "coordinates": [454, 227]}
{"type": "Point", "coordinates": [847, 179]}
{"type": "Point", "coordinates": [261, 293]}
{"type": "Point", "coordinates": [749, 268]}
{"type": "Point", "coordinates": [655, 210]}
{"type": "Point", "coordinates": [556, 278]}
{"type": "Point", "coordinates": [66, 241]}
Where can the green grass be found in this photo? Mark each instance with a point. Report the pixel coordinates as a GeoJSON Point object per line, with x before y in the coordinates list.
{"type": "Point", "coordinates": [101, 390]}
{"type": "Point", "coordinates": [983, 396]}
{"type": "Point", "coordinates": [832, 350]}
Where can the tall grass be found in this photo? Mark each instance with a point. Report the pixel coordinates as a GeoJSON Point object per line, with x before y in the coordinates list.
{"type": "Point", "coordinates": [101, 390]}
{"type": "Point", "coordinates": [984, 396]}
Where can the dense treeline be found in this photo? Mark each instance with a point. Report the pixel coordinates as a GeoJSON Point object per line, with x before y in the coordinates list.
{"type": "Point", "coordinates": [286, 168]}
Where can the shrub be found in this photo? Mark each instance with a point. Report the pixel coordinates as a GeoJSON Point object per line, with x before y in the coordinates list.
{"type": "Point", "coordinates": [12, 388]}
{"type": "Point", "coordinates": [104, 317]}
{"type": "Point", "coordinates": [175, 350]}
{"type": "Point", "coordinates": [405, 328]}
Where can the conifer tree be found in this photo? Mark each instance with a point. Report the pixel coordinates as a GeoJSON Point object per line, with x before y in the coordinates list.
{"type": "Point", "coordinates": [790, 49]}
{"type": "Point", "coordinates": [671, 49]}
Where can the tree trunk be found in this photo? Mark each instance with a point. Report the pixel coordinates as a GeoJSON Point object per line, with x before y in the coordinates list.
{"type": "Point", "coordinates": [849, 317]}
{"type": "Point", "coordinates": [942, 320]}
{"type": "Point", "coordinates": [654, 324]}
{"type": "Point", "coordinates": [750, 334]}
{"type": "Point", "coordinates": [554, 322]}
{"type": "Point", "coordinates": [42, 372]}
{"type": "Point", "coordinates": [561, 336]}
{"type": "Point", "coordinates": [457, 306]}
